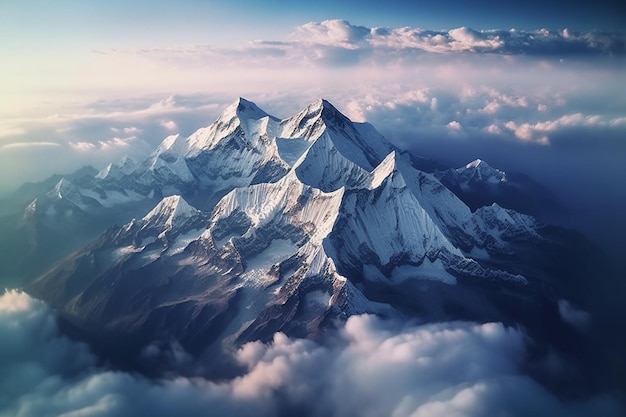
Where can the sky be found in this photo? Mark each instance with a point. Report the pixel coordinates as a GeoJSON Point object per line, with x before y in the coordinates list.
{"type": "Point", "coordinates": [534, 87]}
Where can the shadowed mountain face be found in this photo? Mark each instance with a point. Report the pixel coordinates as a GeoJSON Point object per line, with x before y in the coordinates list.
{"type": "Point", "coordinates": [479, 184]}
{"type": "Point", "coordinates": [255, 225]}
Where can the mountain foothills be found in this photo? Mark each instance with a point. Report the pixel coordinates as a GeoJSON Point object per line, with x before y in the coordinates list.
{"type": "Point", "coordinates": [255, 225]}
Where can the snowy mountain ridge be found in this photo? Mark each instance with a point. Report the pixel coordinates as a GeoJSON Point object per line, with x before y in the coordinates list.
{"type": "Point", "coordinates": [263, 225]}
{"type": "Point", "coordinates": [480, 170]}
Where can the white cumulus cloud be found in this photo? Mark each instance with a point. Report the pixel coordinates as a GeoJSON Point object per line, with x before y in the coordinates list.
{"type": "Point", "coordinates": [169, 125]}
{"type": "Point", "coordinates": [331, 32]}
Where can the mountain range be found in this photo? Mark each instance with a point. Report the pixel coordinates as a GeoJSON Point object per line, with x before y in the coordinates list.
{"type": "Point", "coordinates": [255, 225]}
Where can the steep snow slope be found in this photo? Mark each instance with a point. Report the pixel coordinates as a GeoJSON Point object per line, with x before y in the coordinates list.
{"type": "Point", "coordinates": [479, 170]}
{"type": "Point", "coordinates": [324, 167]}
{"type": "Point", "coordinates": [359, 143]}
{"type": "Point", "coordinates": [466, 230]}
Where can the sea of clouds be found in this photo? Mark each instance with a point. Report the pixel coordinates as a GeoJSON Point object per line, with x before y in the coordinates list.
{"type": "Point", "coordinates": [372, 367]}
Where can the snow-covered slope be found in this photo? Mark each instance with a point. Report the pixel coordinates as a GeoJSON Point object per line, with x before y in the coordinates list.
{"type": "Point", "coordinates": [479, 170]}
{"type": "Point", "coordinates": [324, 167]}
{"type": "Point", "coordinates": [64, 200]}
{"type": "Point", "coordinates": [236, 150]}
{"type": "Point", "coordinates": [124, 166]}
{"type": "Point", "coordinates": [279, 230]}
{"type": "Point", "coordinates": [478, 185]}
{"type": "Point", "coordinates": [359, 143]}
{"type": "Point", "coordinates": [467, 231]}
{"type": "Point", "coordinates": [170, 210]}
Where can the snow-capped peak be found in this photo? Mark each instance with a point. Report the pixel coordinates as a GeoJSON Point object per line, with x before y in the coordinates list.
{"type": "Point", "coordinates": [311, 122]}
{"type": "Point", "coordinates": [317, 107]}
{"type": "Point", "coordinates": [240, 111]}
{"type": "Point", "coordinates": [104, 172]}
{"type": "Point", "coordinates": [65, 192]}
{"type": "Point", "coordinates": [244, 109]}
{"type": "Point", "coordinates": [169, 144]}
{"type": "Point", "coordinates": [325, 109]}
{"type": "Point", "coordinates": [475, 163]}
{"type": "Point", "coordinates": [64, 189]}
{"type": "Point", "coordinates": [479, 169]}
{"type": "Point", "coordinates": [383, 170]}
{"type": "Point", "coordinates": [306, 124]}
{"type": "Point", "coordinates": [169, 210]}
{"type": "Point", "coordinates": [360, 143]}
{"type": "Point", "coordinates": [242, 118]}
{"type": "Point", "coordinates": [126, 166]}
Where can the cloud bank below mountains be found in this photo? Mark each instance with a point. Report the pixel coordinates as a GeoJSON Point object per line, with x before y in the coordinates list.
{"type": "Point", "coordinates": [372, 368]}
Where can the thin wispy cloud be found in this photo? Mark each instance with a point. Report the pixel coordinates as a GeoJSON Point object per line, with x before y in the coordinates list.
{"type": "Point", "coordinates": [115, 142]}
{"type": "Point", "coordinates": [26, 145]}
{"type": "Point", "coordinates": [540, 131]}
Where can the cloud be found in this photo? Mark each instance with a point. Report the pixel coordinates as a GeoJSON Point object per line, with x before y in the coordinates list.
{"type": "Point", "coordinates": [465, 39]}
{"type": "Point", "coordinates": [82, 146]}
{"type": "Point", "coordinates": [493, 129]}
{"type": "Point", "coordinates": [539, 132]}
{"type": "Point", "coordinates": [169, 125]}
{"type": "Point", "coordinates": [454, 125]}
{"type": "Point", "coordinates": [573, 316]}
{"type": "Point", "coordinates": [10, 130]}
{"type": "Point", "coordinates": [99, 132]}
{"type": "Point", "coordinates": [331, 32]}
{"type": "Point", "coordinates": [338, 43]}
{"type": "Point", "coordinates": [387, 42]}
{"type": "Point", "coordinates": [27, 145]}
{"type": "Point", "coordinates": [127, 130]}
{"type": "Point", "coordinates": [115, 142]}
{"type": "Point", "coordinates": [373, 367]}
{"type": "Point", "coordinates": [46, 374]}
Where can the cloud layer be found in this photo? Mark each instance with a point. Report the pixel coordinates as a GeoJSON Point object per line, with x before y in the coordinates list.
{"type": "Point", "coordinates": [372, 368]}
{"type": "Point", "coordinates": [342, 34]}
{"type": "Point", "coordinates": [338, 42]}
